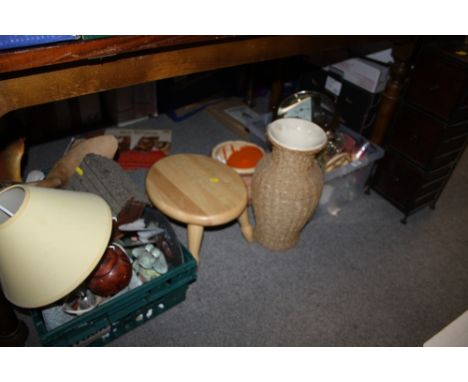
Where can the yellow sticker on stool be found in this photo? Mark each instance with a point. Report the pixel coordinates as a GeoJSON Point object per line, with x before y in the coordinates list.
{"type": "Point", "coordinates": [214, 180]}
{"type": "Point", "coordinates": [79, 170]}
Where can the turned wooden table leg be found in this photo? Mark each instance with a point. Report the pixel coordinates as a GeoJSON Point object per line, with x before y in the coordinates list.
{"type": "Point", "coordinates": [194, 238]}
{"type": "Point", "coordinates": [276, 86]}
{"type": "Point", "coordinates": [246, 228]}
{"type": "Point", "coordinates": [399, 71]}
{"type": "Point", "coordinates": [250, 88]}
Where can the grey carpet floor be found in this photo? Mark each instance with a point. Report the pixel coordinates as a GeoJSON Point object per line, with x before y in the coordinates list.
{"type": "Point", "coordinates": [360, 278]}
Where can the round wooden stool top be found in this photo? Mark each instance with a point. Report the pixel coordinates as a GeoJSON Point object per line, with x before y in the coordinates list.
{"type": "Point", "coordinates": [196, 189]}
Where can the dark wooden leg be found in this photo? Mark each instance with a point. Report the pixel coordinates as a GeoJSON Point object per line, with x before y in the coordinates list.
{"type": "Point", "coordinates": [402, 53]}
{"type": "Point", "coordinates": [276, 87]}
{"type": "Point", "coordinates": [13, 332]}
{"type": "Point", "coordinates": [404, 220]}
{"type": "Point", "coordinates": [250, 91]}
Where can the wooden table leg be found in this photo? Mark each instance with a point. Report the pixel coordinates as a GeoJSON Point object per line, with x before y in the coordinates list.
{"type": "Point", "coordinates": [194, 238]}
{"type": "Point", "coordinates": [246, 228]}
{"type": "Point", "coordinates": [276, 89]}
{"type": "Point", "coordinates": [399, 71]}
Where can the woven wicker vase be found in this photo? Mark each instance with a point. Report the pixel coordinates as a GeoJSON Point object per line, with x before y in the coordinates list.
{"type": "Point", "coordinates": [287, 184]}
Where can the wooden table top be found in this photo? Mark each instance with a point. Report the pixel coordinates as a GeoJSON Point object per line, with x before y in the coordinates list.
{"type": "Point", "coordinates": [69, 52]}
{"type": "Point", "coordinates": [196, 189]}
{"type": "Point", "coordinates": [54, 72]}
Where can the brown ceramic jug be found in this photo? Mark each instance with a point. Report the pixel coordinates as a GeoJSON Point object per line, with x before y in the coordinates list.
{"type": "Point", "coordinates": [287, 184]}
{"type": "Point", "coordinates": [112, 274]}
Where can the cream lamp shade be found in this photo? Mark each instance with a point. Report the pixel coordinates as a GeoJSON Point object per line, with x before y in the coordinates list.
{"type": "Point", "coordinates": [50, 241]}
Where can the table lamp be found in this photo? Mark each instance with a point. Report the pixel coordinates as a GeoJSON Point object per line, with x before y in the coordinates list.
{"type": "Point", "coordinates": [50, 242]}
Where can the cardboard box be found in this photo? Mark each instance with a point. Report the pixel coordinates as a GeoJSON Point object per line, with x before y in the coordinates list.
{"type": "Point", "coordinates": [356, 106]}
{"type": "Point", "coordinates": [129, 104]}
{"type": "Point", "coordinates": [242, 120]}
{"type": "Point", "coordinates": [366, 74]}
{"type": "Point", "coordinates": [218, 110]}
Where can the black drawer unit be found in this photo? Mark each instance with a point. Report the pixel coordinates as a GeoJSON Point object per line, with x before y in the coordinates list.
{"type": "Point", "coordinates": [424, 139]}
{"type": "Point", "coordinates": [429, 131]}
{"type": "Point", "coordinates": [440, 83]}
{"type": "Point", "coordinates": [406, 185]}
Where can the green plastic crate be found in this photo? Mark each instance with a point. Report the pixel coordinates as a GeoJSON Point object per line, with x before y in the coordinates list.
{"type": "Point", "coordinates": [122, 313]}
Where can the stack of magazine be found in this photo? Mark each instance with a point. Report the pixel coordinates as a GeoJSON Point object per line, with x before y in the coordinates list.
{"type": "Point", "coordinates": [138, 148]}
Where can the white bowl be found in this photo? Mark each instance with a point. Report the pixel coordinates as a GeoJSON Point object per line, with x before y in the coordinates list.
{"type": "Point", "coordinates": [222, 151]}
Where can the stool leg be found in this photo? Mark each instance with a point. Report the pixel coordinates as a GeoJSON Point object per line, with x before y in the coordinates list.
{"type": "Point", "coordinates": [246, 228]}
{"type": "Point", "coordinates": [195, 235]}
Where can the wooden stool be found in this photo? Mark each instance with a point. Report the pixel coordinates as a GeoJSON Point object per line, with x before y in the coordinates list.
{"type": "Point", "coordinates": [199, 191]}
